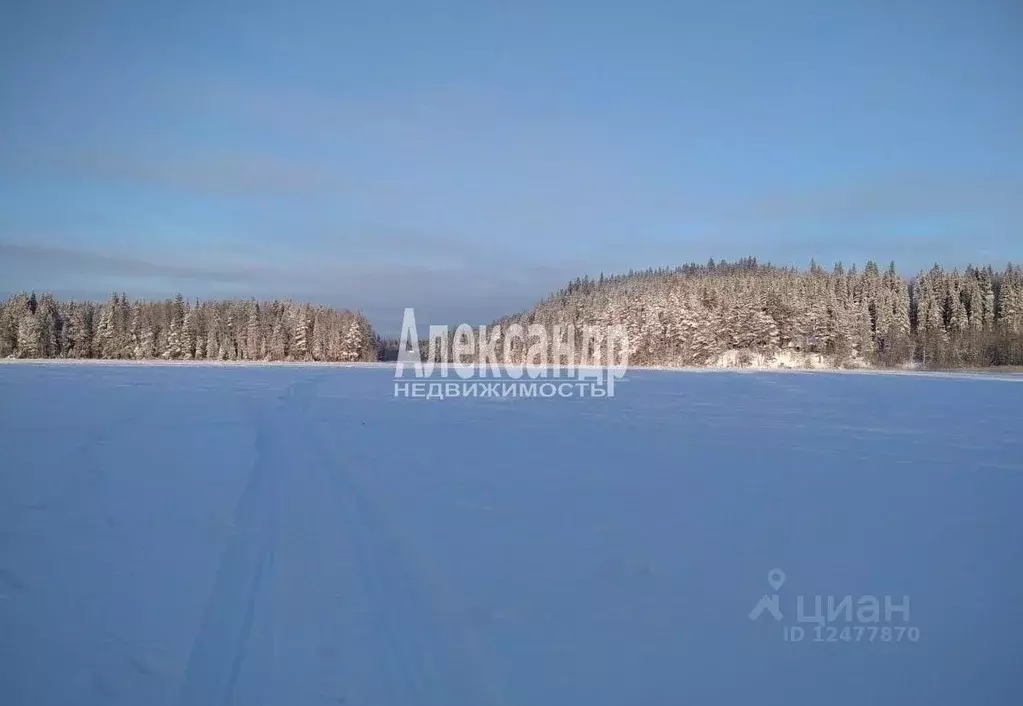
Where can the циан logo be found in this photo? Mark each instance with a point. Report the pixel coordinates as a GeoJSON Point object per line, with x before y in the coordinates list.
{"type": "Point", "coordinates": [837, 619]}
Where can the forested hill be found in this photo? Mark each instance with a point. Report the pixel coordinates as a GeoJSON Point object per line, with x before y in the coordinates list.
{"type": "Point", "coordinates": [697, 315]}
{"type": "Point", "coordinates": [175, 329]}
{"type": "Point", "coordinates": [721, 313]}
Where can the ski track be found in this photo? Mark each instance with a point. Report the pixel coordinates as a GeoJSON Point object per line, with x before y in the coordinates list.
{"type": "Point", "coordinates": [219, 648]}
{"type": "Point", "coordinates": [419, 661]}
{"type": "Point", "coordinates": [621, 551]}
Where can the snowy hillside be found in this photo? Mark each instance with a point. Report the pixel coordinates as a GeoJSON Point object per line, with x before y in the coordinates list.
{"type": "Point", "coordinates": [175, 535]}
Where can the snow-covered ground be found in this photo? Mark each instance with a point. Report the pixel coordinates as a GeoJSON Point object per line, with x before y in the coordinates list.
{"type": "Point", "coordinates": [298, 535]}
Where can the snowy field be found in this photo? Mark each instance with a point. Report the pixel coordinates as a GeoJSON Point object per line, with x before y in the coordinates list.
{"type": "Point", "coordinates": [297, 535]}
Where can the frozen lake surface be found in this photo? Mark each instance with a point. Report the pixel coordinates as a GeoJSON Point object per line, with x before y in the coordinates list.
{"type": "Point", "coordinates": [297, 535]}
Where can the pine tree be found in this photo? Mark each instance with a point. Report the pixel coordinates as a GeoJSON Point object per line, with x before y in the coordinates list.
{"type": "Point", "coordinates": [104, 343]}
{"type": "Point", "coordinates": [988, 295]}
{"type": "Point", "coordinates": [173, 347]}
{"type": "Point", "coordinates": [79, 343]}
{"type": "Point", "coordinates": [30, 336]}
{"type": "Point", "coordinates": [136, 329]}
{"type": "Point", "coordinates": [8, 329]}
{"type": "Point", "coordinates": [214, 351]}
{"type": "Point", "coordinates": [863, 336]}
{"type": "Point", "coordinates": [254, 335]}
{"type": "Point", "coordinates": [188, 333]}
{"type": "Point", "coordinates": [229, 335]}
{"type": "Point", "coordinates": [300, 340]}
{"type": "Point", "coordinates": [278, 341]}
{"type": "Point", "coordinates": [122, 345]}
{"type": "Point", "coordinates": [49, 325]}
{"type": "Point", "coordinates": [199, 332]}
{"type": "Point", "coordinates": [146, 347]}
{"type": "Point", "coordinates": [1011, 306]}
{"type": "Point", "coordinates": [351, 346]}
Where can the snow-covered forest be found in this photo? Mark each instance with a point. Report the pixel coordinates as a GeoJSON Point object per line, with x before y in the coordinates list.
{"type": "Point", "coordinates": [744, 312]}
{"type": "Point", "coordinates": [176, 329]}
{"type": "Point", "coordinates": [723, 313]}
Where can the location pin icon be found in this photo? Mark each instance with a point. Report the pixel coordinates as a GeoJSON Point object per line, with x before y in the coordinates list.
{"type": "Point", "coordinates": [776, 577]}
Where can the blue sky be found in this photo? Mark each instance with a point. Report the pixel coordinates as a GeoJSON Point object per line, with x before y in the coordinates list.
{"type": "Point", "coordinates": [466, 158]}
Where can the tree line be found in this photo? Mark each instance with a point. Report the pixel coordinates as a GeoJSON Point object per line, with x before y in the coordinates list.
{"type": "Point", "coordinates": [698, 315]}
{"type": "Point", "coordinates": [176, 329]}
{"type": "Point", "coordinates": [690, 315]}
